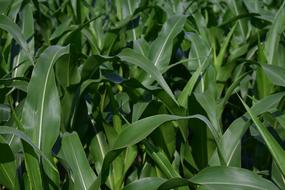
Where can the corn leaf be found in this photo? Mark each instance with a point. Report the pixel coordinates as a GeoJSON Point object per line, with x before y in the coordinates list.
{"type": "Point", "coordinates": [273, 146]}
{"type": "Point", "coordinates": [41, 112]}
{"type": "Point", "coordinates": [73, 157]}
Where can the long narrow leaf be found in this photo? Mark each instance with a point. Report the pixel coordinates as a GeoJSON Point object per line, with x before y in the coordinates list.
{"type": "Point", "coordinates": [133, 57]}
{"type": "Point", "coordinates": [7, 24]}
{"type": "Point", "coordinates": [274, 34]}
{"type": "Point", "coordinates": [41, 111]}
{"type": "Point", "coordinates": [73, 156]}
{"type": "Point", "coordinates": [161, 48]}
{"type": "Point", "coordinates": [276, 150]}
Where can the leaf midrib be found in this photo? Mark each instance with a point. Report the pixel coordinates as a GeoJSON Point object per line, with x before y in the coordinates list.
{"type": "Point", "coordinates": [164, 44]}
{"type": "Point", "coordinates": [43, 100]}
{"type": "Point", "coordinates": [7, 175]}
{"type": "Point", "coordinates": [77, 165]}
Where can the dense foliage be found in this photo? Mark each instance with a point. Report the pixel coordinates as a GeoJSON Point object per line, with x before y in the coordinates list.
{"type": "Point", "coordinates": [140, 94]}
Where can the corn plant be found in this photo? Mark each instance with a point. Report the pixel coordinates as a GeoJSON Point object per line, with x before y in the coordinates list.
{"type": "Point", "coordinates": [138, 94]}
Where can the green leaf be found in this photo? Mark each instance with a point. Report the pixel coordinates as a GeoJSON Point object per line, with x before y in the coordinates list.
{"type": "Point", "coordinates": [140, 129]}
{"type": "Point", "coordinates": [5, 130]}
{"type": "Point", "coordinates": [275, 73]}
{"type": "Point", "coordinates": [274, 34]}
{"type": "Point", "coordinates": [189, 87]}
{"type": "Point", "coordinates": [7, 24]}
{"type": "Point", "coordinates": [4, 4]}
{"type": "Point", "coordinates": [211, 107]}
{"type": "Point", "coordinates": [8, 166]}
{"type": "Point", "coordinates": [90, 117]}
{"type": "Point", "coordinates": [275, 149]}
{"type": "Point", "coordinates": [128, 8]}
{"type": "Point", "coordinates": [175, 182]}
{"type": "Point", "coordinates": [161, 161]}
{"type": "Point", "coordinates": [219, 178]}
{"type": "Point", "coordinates": [61, 29]}
{"type": "Point", "coordinates": [231, 178]}
{"type": "Point", "coordinates": [5, 112]}
{"type": "Point", "coordinates": [98, 149]}
{"type": "Point", "coordinates": [142, 47]}
{"type": "Point", "coordinates": [232, 137]}
{"type": "Point", "coordinates": [150, 183]}
{"type": "Point", "coordinates": [200, 51]}
{"type": "Point", "coordinates": [277, 176]}
{"type": "Point", "coordinates": [22, 62]}
{"type": "Point", "coordinates": [41, 111]}
{"type": "Point", "coordinates": [139, 60]}
{"type": "Point", "coordinates": [221, 55]}
{"type": "Point", "coordinates": [237, 9]}
{"type": "Point", "coordinates": [73, 157]}
{"type": "Point", "coordinates": [264, 85]}
{"type": "Point", "coordinates": [161, 48]}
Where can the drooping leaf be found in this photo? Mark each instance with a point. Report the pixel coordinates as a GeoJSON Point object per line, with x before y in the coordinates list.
{"type": "Point", "coordinates": [231, 178]}
{"type": "Point", "coordinates": [5, 130]}
{"type": "Point", "coordinates": [232, 136]}
{"type": "Point", "coordinates": [133, 57]}
{"type": "Point", "coordinates": [140, 129]}
{"type": "Point", "coordinates": [219, 177]}
{"type": "Point", "coordinates": [275, 149]}
{"type": "Point", "coordinates": [7, 24]}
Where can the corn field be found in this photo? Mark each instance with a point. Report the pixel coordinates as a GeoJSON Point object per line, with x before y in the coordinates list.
{"type": "Point", "coordinates": [142, 94]}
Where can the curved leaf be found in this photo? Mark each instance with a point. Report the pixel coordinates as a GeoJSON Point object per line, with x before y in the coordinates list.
{"type": "Point", "coordinates": [41, 111]}
{"type": "Point", "coordinates": [149, 183]}
{"type": "Point", "coordinates": [7, 24]}
{"type": "Point", "coordinates": [140, 129]}
{"type": "Point", "coordinates": [161, 48]}
{"type": "Point", "coordinates": [232, 137]}
{"type": "Point", "coordinates": [5, 130]}
{"type": "Point", "coordinates": [217, 178]}
{"type": "Point", "coordinates": [139, 60]}
{"type": "Point", "coordinates": [222, 178]}
{"type": "Point", "coordinates": [274, 147]}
